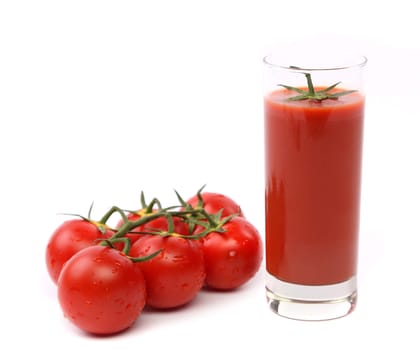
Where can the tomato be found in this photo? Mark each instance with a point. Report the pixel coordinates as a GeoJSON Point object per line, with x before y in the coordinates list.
{"type": "Point", "coordinates": [174, 276]}
{"type": "Point", "coordinates": [214, 202]}
{"type": "Point", "coordinates": [101, 290]}
{"type": "Point", "coordinates": [69, 238]}
{"type": "Point", "coordinates": [232, 257]}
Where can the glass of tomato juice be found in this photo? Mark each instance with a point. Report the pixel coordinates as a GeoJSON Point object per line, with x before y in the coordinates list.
{"type": "Point", "coordinates": [314, 113]}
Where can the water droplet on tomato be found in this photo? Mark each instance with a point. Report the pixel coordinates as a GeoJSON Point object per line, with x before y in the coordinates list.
{"type": "Point", "coordinates": [177, 258]}
{"type": "Point", "coordinates": [232, 253]}
{"type": "Point", "coordinates": [117, 267]}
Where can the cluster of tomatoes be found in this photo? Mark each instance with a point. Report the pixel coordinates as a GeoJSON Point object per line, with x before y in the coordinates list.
{"type": "Point", "coordinates": [154, 256]}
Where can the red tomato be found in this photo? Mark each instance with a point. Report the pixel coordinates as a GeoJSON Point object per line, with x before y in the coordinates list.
{"type": "Point", "coordinates": [69, 238]}
{"type": "Point", "coordinates": [214, 202]}
{"type": "Point", "coordinates": [173, 277]}
{"type": "Point", "coordinates": [232, 257]}
{"type": "Point", "coordinates": [101, 290]}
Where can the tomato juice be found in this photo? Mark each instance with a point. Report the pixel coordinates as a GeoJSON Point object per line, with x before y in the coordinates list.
{"type": "Point", "coordinates": [313, 168]}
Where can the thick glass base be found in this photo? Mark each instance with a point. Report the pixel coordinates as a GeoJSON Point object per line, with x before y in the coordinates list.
{"type": "Point", "coordinates": [311, 303]}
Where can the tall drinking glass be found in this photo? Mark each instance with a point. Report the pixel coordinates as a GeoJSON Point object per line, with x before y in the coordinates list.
{"type": "Point", "coordinates": [314, 111]}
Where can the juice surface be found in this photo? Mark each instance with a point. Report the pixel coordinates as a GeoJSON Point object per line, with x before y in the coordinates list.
{"type": "Point", "coordinates": [313, 168]}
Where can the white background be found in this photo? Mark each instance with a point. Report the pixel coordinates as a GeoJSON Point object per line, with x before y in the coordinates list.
{"type": "Point", "coordinates": [102, 99]}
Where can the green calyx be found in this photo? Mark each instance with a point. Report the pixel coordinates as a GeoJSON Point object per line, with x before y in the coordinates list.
{"type": "Point", "coordinates": [316, 95]}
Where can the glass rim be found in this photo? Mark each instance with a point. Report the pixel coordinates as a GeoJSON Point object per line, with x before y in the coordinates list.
{"type": "Point", "coordinates": [359, 63]}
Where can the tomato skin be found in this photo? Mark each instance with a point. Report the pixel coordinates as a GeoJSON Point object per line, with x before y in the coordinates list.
{"type": "Point", "coordinates": [69, 238]}
{"type": "Point", "coordinates": [173, 277]}
{"type": "Point", "coordinates": [101, 290]}
{"type": "Point", "coordinates": [233, 257]}
{"type": "Point", "coordinates": [214, 202]}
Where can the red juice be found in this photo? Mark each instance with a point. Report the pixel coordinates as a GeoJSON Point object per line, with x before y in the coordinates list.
{"type": "Point", "coordinates": [313, 169]}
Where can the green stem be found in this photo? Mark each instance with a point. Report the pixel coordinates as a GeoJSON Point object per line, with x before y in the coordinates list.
{"type": "Point", "coordinates": [142, 200]}
{"type": "Point", "coordinates": [111, 241]}
{"type": "Point", "coordinates": [209, 218]}
{"type": "Point", "coordinates": [128, 225]}
{"type": "Point", "coordinates": [126, 249]}
{"type": "Point", "coordinates": [90, 211]}
{"type": "Point", "coordinates": [171, 226]}
{"type": "Point", "coordinates": [149, 208]}
{"type": "Point", "coordinates": [310, 84]}
{"type": "Point", "coordinates": [145, 258]}
{"type": "Point", "coordinates": [111, 211]}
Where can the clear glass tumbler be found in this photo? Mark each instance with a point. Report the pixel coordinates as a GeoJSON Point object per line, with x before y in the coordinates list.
{"type": "Point", "coordinates": [314, 113]}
